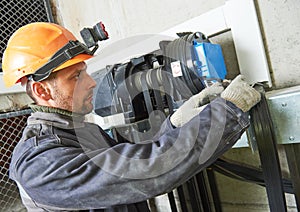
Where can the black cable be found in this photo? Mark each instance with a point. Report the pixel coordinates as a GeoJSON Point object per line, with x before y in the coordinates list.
{"type": "Point", "coordinates": [181, 50]}
{"type": "Point", "coordinates": [246, 173]}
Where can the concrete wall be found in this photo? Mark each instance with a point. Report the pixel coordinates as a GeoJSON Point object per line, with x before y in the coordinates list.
{"type": "Point", "coordinates": [131, 17]}
{"type": "Point", "coordinates": [281, 28]}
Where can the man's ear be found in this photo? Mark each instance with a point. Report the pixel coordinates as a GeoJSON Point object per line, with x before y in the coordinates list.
{"type": "Point", "coordinates": [41, 90]}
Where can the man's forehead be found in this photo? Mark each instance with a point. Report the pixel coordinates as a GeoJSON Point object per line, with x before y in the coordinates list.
{"type": "Point", "coordinates": [73, 68]}
{"type": "Point", "coordinates": [80, 65]}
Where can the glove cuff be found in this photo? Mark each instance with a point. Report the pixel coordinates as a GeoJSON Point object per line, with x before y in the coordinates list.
{"type": "Point", "coordinates": [238, 98]}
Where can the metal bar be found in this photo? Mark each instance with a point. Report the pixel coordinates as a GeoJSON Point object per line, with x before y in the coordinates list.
{"type": "Point", "coordinates": [172, 202]}
{"type": "Point", "coordinates": [203, 191]}
{"type": "Point", "coordinates": [49, 11]}
{"type": "Point", "coordinates": [292, 153]}
{"type": "Point", "coordinates": [182, 199]}
{"type": "Point", "coordinates": [218, 33]}
{"type": "Point", "coordinates": [192, 189]}
{"type": "Point", "coordinates": [146, 94]}
{"type": "Point", "coordinates": [267, 148]}
{"type": "Point", "coordinates": [15, 113]}
{"type": "Point", "coordinates": [214, 189]}
{"type": "Point", "coordinates": [156, 91]}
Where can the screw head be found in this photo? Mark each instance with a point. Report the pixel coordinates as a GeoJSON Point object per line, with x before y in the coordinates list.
{"type": "Point", "coordinates": [291, 138]}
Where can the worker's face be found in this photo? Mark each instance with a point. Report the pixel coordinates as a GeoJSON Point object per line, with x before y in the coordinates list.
{"type": "Point", "coordinates": [72, 89]}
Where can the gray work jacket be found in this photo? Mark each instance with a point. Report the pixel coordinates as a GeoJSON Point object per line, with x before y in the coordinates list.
{"type": "Point", "coordinates": [65, 164]}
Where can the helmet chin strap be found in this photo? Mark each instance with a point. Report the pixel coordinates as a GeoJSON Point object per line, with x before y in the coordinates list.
{"type": "Point", "coordinates": [24, 81]}
{"type": "Point", "coordinates": [67, 52]}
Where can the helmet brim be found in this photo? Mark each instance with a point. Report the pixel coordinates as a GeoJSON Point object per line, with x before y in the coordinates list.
{"type": "Point", "coordinates": [77, 59]}
{"type": "Point", "coordinates": [73, 61]}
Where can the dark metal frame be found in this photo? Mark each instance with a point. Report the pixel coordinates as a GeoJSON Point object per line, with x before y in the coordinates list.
{"type": "Point", "coordinates": [267, 147]}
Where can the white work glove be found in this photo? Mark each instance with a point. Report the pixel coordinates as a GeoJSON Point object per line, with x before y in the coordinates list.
{"type": "Point", "coordinates": [240, 93]}
{"type": "Point", "coordinates": [195, 105]}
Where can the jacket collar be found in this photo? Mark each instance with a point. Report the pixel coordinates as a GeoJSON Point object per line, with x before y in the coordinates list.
{"type": "Point", "coordinates": [55, 117]}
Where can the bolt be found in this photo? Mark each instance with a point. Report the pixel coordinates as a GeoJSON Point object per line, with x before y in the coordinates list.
{"type": "Point", "coordinates": [291, 138]}
{"type": "Point", "coordinates": [284, 104]}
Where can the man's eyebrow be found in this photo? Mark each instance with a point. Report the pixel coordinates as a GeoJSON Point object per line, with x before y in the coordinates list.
{"type": "Point", "coordinates": [75, 72]}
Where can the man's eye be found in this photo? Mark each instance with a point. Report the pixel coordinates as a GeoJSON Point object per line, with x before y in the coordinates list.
{"type": "Point", "coordinates": [77, 75]}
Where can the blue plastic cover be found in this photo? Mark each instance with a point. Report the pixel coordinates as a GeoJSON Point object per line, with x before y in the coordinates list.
{"type": "Point", "coordinates": [210, 61]}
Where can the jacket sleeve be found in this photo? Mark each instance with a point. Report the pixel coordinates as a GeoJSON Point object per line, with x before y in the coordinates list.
{"type": "Point", "coordinates": [61, 176]}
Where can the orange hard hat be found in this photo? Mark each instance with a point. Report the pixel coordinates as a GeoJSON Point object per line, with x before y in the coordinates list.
{"type": "Point", "coordinates": [32, 46]}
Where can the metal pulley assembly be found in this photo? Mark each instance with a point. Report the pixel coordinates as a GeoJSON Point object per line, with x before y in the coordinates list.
{"type": "Point", "coordinates": [179, 69]}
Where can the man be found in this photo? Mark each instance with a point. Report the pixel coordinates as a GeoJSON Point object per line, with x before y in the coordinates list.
{"type": "Point", "coordinates": [65, 164]}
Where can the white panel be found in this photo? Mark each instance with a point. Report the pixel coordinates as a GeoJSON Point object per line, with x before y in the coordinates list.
{"type": "Point", "coordinates": [208, 23]}
{"type": "Point", "coordinates": [14, 89]}
{"type": "Point", "coordinates": [124, 49]}
{"type": "Point", "coordinates": [242, 18]}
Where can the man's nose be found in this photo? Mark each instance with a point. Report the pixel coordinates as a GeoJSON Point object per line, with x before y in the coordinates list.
{"type": "Point", "coordinates": [91, 82]}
